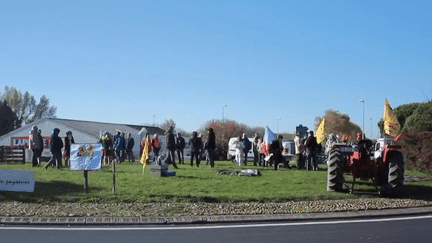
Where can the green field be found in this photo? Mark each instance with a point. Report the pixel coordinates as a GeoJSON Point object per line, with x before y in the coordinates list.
{"type": "Point", "coordinates": [192, 184]}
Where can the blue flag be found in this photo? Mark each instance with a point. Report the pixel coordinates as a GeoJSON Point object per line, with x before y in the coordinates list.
{"type": "Point", "coordinates": [269, 136]}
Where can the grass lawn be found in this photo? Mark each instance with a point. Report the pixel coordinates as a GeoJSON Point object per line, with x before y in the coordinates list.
{"type": "Point", "coordinates": [194, 184]}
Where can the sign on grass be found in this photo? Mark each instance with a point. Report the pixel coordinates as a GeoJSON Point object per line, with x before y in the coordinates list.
{"type": "Point", "coordinates": [17, 180]}
{"type": "Point", "coordinates": [85, 156]}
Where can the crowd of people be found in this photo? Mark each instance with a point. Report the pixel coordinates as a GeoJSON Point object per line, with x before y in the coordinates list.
{"type": "Point", "coordinates": [306, 150]}
{"type": "Point", "coordinates": [175, 145]}
{"type": "Point", "coordinates": [119, 148]}
{"type": "Point", "coordinates": [37, 145]}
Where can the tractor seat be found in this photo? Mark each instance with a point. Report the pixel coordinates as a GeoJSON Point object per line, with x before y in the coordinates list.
{"type": "Point", "coordinates": [365, 145]}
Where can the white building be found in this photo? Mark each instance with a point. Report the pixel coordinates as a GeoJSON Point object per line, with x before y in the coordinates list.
{"type": "Point", "coordinates": [82, 131]}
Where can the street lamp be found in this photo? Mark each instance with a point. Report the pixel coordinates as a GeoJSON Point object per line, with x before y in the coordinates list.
{"type": "Point", "coordinates": [362, 101]}
{"type": "Point", "coordinates": [278, 125]}
{"type": "Point", "coordinates": [371, 128]}
{"type": "Point", "coordinates": [223, 107]}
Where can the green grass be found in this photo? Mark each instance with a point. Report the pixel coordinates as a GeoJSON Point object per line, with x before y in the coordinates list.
{"type": "Point", "coordinates": [193, 184]}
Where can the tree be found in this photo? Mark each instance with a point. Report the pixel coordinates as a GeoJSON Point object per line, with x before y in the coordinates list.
{"type": "Point", "coordinates": [25, 107]}
{"type": "Point", "coordinates": [8, 118]}
{"type": "Point", "coordinates": [338, 124]}
{"type": "Point", "coordinates": [167, 124]}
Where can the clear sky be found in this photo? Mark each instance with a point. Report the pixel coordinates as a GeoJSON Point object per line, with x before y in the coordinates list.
{"type": "Point", "coordinates": [139, 62]}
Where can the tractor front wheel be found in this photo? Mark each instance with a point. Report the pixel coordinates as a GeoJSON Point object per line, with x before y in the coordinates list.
{"type": "Point", "coordinates": [335, 178]}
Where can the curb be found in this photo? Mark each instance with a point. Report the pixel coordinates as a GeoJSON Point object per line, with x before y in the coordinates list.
{"type": "Point", "coordinates": [182, 220]}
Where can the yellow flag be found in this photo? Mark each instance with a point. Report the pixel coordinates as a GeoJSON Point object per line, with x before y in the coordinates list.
{"type": "Point", "coordinates": [146, 151]}
{"type": "Point", "coordinates": [320, 132]}
{"type": "Point", "coordinates": [391, 123]}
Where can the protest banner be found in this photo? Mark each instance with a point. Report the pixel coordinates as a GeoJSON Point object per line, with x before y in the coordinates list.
{"type": "Point", "coordinates": [17, 180]}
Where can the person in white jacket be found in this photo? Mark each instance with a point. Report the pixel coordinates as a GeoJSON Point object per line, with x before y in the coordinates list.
{"type": "Point", "coordinates": [239, 155]}
{"type": "Point", "coordinates": [299, 150]}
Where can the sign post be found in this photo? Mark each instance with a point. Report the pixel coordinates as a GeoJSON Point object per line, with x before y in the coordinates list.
{"type": "Point", "coordinates": [113, 183]}
{"type": "Point", "coordinates": [85, 157]}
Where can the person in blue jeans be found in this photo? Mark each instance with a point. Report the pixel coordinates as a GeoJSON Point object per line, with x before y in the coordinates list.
{"type": "Point", "coordinates": [247, 147]}
{"type": "Point", "coordinates": [210, 146]}
{"type": "Point", "coordinates": [119, 147]}
{"type": "Point", "coordinates": [156, 145]}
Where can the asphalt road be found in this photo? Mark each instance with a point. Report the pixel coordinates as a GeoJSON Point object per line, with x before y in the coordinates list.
{"type": "Point", "coordinates": [392, 229]}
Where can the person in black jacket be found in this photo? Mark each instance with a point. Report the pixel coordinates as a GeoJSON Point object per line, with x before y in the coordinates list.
{"type": "Point", "coordinates": [277, 148]}
{"type": "Point", "coordinates": [56, 145]}
{"type": "Point", "coordinates": [180, 144]}
{"type": "Point", "coordinates": [171, 147]}
{"type": "Point", "coordinates": [311, 148]}
{"type": "Point", "coordinates": [196, 145]}
{"type": "Point", "coordinates": [130, 143]}
{"type": "Point", "coordinates": [210, 146]}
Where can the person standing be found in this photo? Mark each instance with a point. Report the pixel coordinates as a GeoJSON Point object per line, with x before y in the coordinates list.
{"type": "Point", "coordinates": [171, 146]}
{"type": "Point", "coordinates": [210, 146]}
{"type": "Point", "coordinates": [69, 139]}
{"type": "Point", "coordinates": [36, 145]}
{"type": "Point", "coordinates": [311, 147]}
{"type": "Point", "coordinates": [119, 146]}
{"type": "Point", "coordinates": [180, 144]}
{"type": "Point", "coordinates": [156, 146]}
{"type": "Point", "coordinates": [255, 149]}
{"type": "Point", "coordinates": [260, 144]}
{"type": "Point", "coordinates": [130, 143]}
{"type": "Point", "coordinates": [277, 153]}
{"type": "Point", "coordinates": [247, 147]}
{"type": "Point", "coordinates": [299, 149]}
{"type": "Point", "coordinates": [196, 146]}
{"type": "Point", "coordinates": [56, 145]}
{"type": "Point", "coordinates": [239, 154]}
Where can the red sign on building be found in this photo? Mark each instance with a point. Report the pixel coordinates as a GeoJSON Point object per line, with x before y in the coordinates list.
{"type": "Point", "coordinates": [24, 141]}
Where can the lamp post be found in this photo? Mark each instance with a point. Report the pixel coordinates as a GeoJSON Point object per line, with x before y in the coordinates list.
{"type": "Point", "coordinates": [223, 118]}
{"type": "Point", "coordinates": [362, 101]}
{"type": "Point", "coordinates": [278, 125]}
{"type": "Point", "coordinates": [371, 128]}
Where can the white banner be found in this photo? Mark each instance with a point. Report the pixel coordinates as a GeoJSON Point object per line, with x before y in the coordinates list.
{"type": "Point", "coordinates": [17, 180]}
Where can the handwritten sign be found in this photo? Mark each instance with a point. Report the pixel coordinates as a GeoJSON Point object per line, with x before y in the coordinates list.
{"type": "Point", "coordinates": [17, 180]}
{"type": "Point", "coordinates": [85, 156]}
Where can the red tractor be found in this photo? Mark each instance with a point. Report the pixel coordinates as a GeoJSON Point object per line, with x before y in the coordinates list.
{"type": "Point", "coordinates": [382, 163]}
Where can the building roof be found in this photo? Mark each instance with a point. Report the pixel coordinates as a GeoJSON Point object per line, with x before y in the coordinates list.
{"type": "Point", "coordinates": [92, 128]}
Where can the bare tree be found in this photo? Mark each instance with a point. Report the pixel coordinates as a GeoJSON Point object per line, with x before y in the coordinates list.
{"type": "Point", "coordinates": [25, 107]}
{"type": "Point", "coordinates": [167, 124]}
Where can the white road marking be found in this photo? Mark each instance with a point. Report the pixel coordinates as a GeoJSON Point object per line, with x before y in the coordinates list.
{"type": "Point", "coordinates": [114, 228]}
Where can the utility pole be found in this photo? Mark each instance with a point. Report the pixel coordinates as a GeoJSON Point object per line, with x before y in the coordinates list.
{"type": "Point", "coordinates": [223, 118]}
{"type": "Point", "coordinates": [362, 101]}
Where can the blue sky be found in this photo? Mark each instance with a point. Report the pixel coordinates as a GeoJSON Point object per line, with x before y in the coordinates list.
{"type": "Point", "coordinates": [140, 62]}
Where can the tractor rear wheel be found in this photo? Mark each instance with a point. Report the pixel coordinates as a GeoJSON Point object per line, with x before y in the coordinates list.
{"type": "Point", "coordinates": [335, 178]}
{"type": "Point", "coordinates": [395, 174]}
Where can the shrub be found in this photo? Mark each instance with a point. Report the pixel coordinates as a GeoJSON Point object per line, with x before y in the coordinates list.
{"type": "Point", "coordinates": [417, 150]}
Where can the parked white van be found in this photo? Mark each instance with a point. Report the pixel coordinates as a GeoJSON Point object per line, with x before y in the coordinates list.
{"type": "Point", "coordinates": [288, 150]}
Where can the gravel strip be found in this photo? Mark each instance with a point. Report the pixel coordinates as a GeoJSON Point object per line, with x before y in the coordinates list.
{"type": "Point", "coordinates": [11, 209]}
